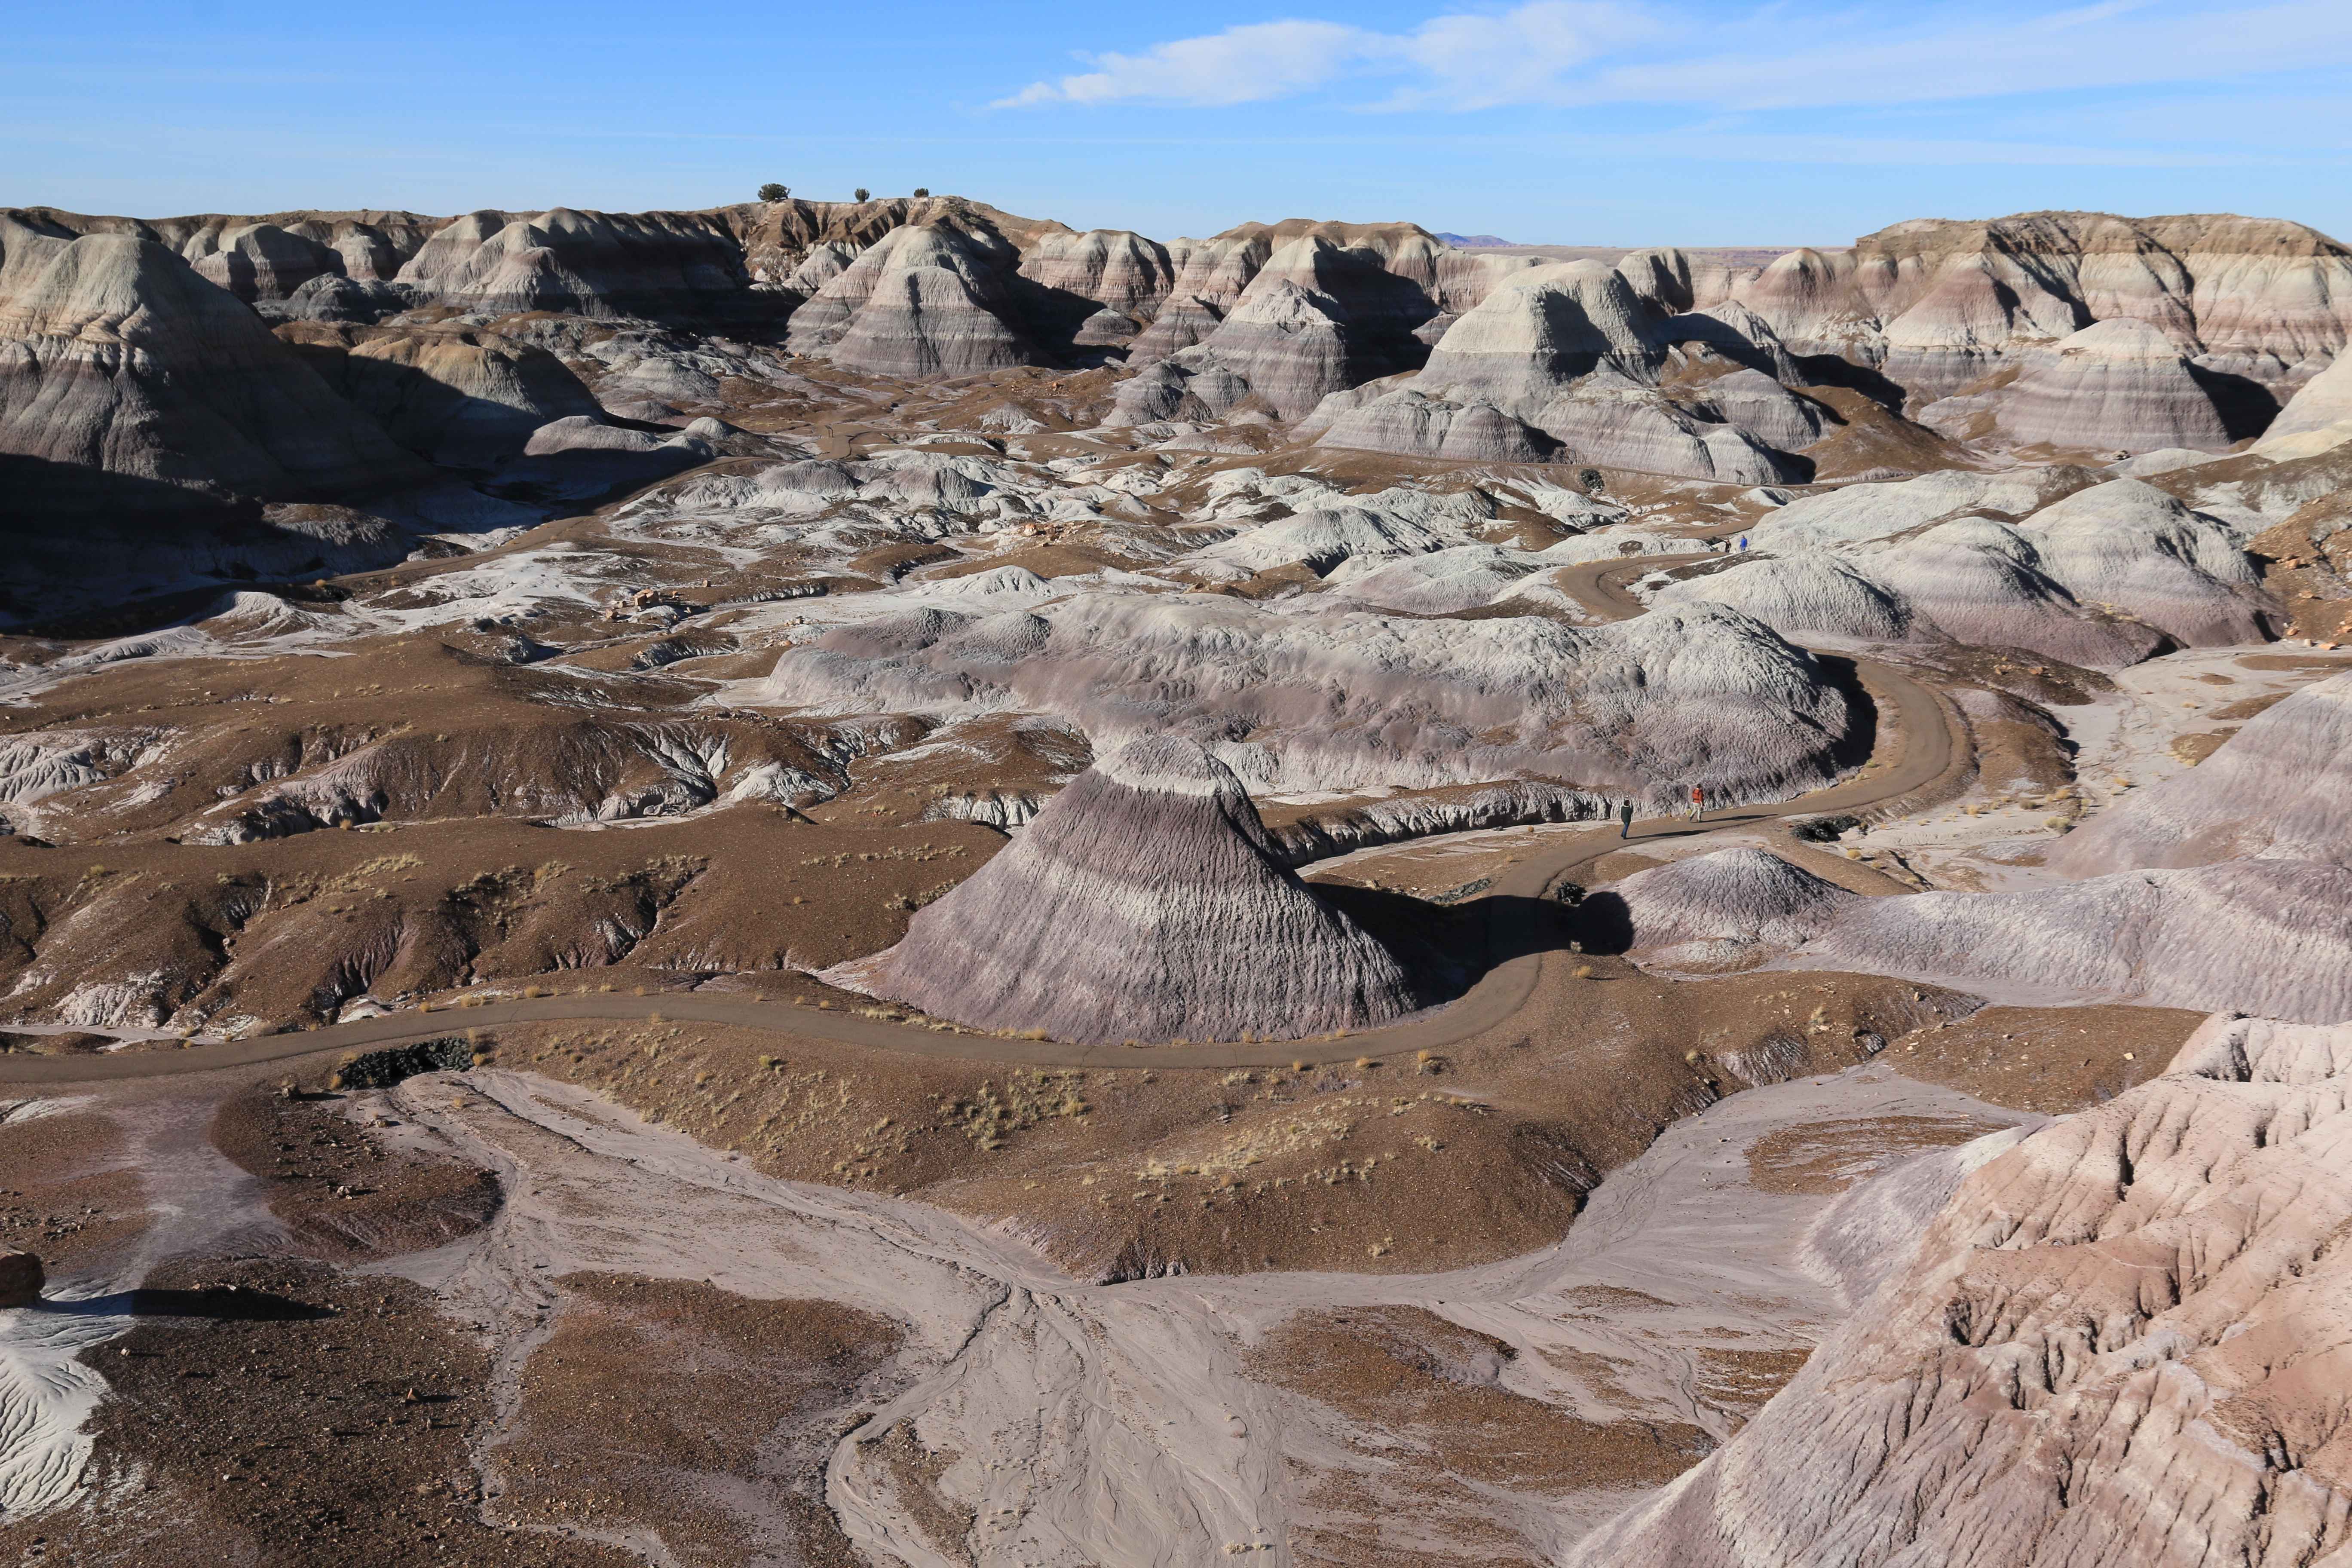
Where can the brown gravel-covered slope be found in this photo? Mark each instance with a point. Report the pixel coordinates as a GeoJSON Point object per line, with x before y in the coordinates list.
{"type": "Point", "coordinates": [70, 1190]}
{"type": "Point", "coordinates": [1431, 1430]}
{"type": "Point", "coordinates": [339, 1191]}
{"type": "Point", "coordinates": [1482, 1151]}
{"type": "Point", "coordinates": [687, 1422]}
{"type": "Point", "coordinates": [273, 1411]}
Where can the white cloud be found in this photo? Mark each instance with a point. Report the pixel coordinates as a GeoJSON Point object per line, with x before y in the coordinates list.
{"type": "Point", "coordinates": [1604, 51]}
{"type": "Point", "coordinates": [1480, 62]}
{"type": "Point", "coordinates": [1466, 61]}
{"type": "Point", "coordinates": [1240, 65]}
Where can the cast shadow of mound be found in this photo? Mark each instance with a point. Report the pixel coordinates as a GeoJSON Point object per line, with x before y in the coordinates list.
{"type": "Point", "coordinates": [220, 1303]}
{"type": "Point", "coordinates": [1447, 949]}
{"type": "Point", "coordinates": [1604, 923]}
{"type": "Point", "coordinates": [78, 540]}
{"type": "Point", "coordinates": [224, 1304]}
{"type": "Point", "coordinates": [1836, 370]}
{"type": "Point", "coordinates": [1054, 318]}
{"type": "Point", "coordinates": [1862, 734]}
{"type": "Point", "coordinates": [586, 478]}
{"type": "Point", "coordinates": [39, 497]}
{"type": "Point", "coordinates": [2246, 406]}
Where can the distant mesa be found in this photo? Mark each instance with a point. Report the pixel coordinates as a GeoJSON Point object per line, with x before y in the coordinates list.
{"type": "Point", "coordinates": [1145, 901]}
{"type": "Point", "coordinates": [1477, 241]}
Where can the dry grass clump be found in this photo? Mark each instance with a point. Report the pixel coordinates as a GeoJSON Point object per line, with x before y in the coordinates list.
{"type": "Point", "coordinates": [989, 1117]}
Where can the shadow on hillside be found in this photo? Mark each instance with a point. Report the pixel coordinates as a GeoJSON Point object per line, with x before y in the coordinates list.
{"type": "Point", "coordinates": [1448, 949]}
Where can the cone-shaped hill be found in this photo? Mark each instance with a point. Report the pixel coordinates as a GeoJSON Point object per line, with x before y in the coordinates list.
{"type": "Point", "coordinates": [1144, 902]}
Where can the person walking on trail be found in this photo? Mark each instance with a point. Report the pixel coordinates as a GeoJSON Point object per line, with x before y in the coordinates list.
{"type": "Point", "coordinates": [1625, 817]}
{"type": "Point", "coordinates": [1743, 542]}
{"type": "Point", "coordinates": [1699, 801]}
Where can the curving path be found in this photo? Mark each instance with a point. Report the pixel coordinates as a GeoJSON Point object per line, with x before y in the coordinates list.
{"type": "Point", "coordinates": [1933, 748]}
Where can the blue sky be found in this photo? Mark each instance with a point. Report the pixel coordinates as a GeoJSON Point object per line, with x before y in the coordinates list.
{"type": "Point", "coordinates": [1574, 121]}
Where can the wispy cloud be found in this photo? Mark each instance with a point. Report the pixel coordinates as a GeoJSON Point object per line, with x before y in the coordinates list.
{"type": "Point", "coordinates": [1460, 61]}
{"type": "Point", "coordinates": [1560, 52]}
{"type": "Point", "coordinates": [1240, 65]}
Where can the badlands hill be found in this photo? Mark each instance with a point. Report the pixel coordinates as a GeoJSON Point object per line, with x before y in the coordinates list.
{"type": "Point", "coordinates": [756, 708]}
{"type": "Point", "coordinates": [2224, 888]}
{"type": "Point", "coordinates": [1145, 903]}
{"type": "Point", "coordinates": [2120, 1341]}
{"type": "Point", "coordinates": [2276, 790]}
{"type": "Point", "coordinates": [2064, 332]}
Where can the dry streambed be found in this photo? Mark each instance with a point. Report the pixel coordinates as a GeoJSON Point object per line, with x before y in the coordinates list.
{"type": "Point", "coordinates": [982, 1405]}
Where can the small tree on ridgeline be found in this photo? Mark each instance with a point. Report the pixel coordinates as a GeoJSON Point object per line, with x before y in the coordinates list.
{"type": "Point", "coordinates": [922, 190]}
{"type": "Point", "coordinates": [864, 194]}
{"type": "Point", "coordinates": [772, 192]}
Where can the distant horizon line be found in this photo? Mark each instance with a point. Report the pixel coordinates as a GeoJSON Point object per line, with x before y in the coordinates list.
{"type": "Point", "coordinates": [513, 213]}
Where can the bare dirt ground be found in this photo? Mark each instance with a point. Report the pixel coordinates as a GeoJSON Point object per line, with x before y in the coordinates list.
{"type": "Point", "coordinates": [907, 1379]}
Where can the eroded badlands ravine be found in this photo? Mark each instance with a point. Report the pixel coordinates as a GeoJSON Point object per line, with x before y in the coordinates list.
{"type": "Point", "coordinates": [1100, 1423]}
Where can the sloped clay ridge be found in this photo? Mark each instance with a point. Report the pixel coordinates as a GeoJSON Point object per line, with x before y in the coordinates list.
{"type": "Point", "coordinates": [116, 359]}
{"type": "Point", "coordinates": [1144, 902]}
{"type": "Point", "coordinates": [2126, 1339]}
{"type": "Point", "coordinates": [2277, 790]}
{"type": "Point", "coordinates": [2262, 935]}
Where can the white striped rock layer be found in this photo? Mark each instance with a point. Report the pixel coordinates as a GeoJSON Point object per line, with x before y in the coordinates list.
{"type": "Point", "coordinates": [1145, 901]}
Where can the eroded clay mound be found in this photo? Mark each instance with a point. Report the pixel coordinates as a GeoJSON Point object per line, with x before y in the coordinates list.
{"type": "Point", "coordinates": [2264, 936]}
{"type": "Point", "coordinates": [588, 263]}
{"type": "Point", "coordinates": [2280, 787]}
{"type": "Point", "coordinates": [1723, 910]}
{"type": "Point", "coordinates": [2273, 937]}
{"type": "Point", "coordinates": [2102, 576]}
{"type": "Point", "coordinates": [2119, 383]}
{"type": "Point", "coordinates": [1144, 902]}
{"type": "Point", "coordinates": [128, 382]}
{"type": "Point", "coordinates": [922, 301]}
{"type": "Point", "coordinates": [1345, 699]}
{"type": "Point", "coordinates": [1566, 361]}
{"type": "Point", "coordinates": [2124, 1340]}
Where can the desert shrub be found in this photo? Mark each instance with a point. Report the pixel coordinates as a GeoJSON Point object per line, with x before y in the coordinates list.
{"type": "Point", "coordinates": [772, 192]}
{"type": "Point", "coordinates": [864, 194]}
